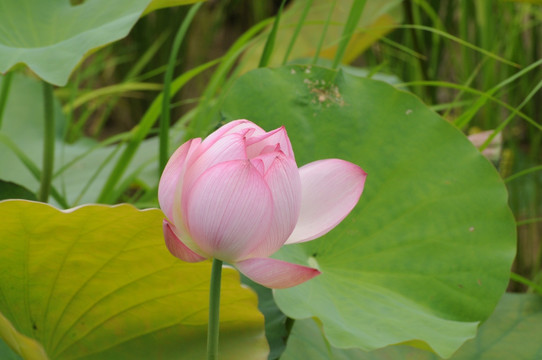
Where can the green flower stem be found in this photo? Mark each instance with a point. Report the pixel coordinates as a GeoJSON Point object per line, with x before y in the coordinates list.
{"type": "Point", "coordinates": [48, 142]}
{"type": "Point", "coordinates": [6, 84]}
{"type": "Point", "coordinates": [214, 310]}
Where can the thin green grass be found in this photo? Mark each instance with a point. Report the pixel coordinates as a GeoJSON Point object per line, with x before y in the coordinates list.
{"type": "Point", "coordinates": [165, 115]}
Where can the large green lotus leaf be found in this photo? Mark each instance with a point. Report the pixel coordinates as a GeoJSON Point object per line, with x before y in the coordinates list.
{"type": "Point", "coordinates": [511, 332]}
{"type": "Point", "coordinates": [23, 125]}
{"type": "Point", "coordinates": [97, 282]}
{"type": "Point", "coordinates": [51, 37]}
{"type": "Point", "coordinates": [426, 254]}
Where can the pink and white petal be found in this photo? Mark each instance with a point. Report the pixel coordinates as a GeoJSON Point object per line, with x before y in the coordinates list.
{"type": "Point", "coordinates": [330, 190]}
{"type": "Point", "coordinates": [176, 247]}
{"type": "Point", "coordinates": [229, 147]}
{"type": "Point", "coordinates": [173, 173]}
{"type": "Point", "coordinates": [283, 180]}
{"type": "Point", "coordinates": [256, 144]}
{"type": "Point", "coordinates": [229, 210]}
{"type": "Point", "coordinates": [232, 127]}
{"type": "Point", "coordinates": [267, 157]}
{"type": "Point", "coordinates": [259, 165]}
{"type": "Point", "coordinates": [275, 274]}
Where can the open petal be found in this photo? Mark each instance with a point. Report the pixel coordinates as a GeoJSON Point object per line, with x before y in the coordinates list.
{"type": "Point", "coordinates": [173, 173]}
{"type": "Point", "coordinates": [275, 274]}
{"type": "Point", "coordinates": [176, 247]}
{"type": "Point", "coordinates": [330, 190]}
{"type": "Point", "coordinates": [229, 210]}
{"type": "Point", "coordinates": [282, 177]}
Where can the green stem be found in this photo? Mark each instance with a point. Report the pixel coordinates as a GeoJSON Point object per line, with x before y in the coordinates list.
{"type": "Point", "coordinates": [6, 84]}
{"type": "Point", "coordinates": [523, 280]}
{"type": "Point", "coordinates": [48, 142]}
{"type": "Point", "coordinates": [214, 310]}
{"type": "Point", "coordinates": [168, 78]}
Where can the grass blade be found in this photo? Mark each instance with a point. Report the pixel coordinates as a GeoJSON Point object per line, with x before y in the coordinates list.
{"type": "Point", "coordinates": [165, 118]}
{"type": "Point", "coordinates": [353, 18]}
{"type": "Point", "coordinates": [270, 43]}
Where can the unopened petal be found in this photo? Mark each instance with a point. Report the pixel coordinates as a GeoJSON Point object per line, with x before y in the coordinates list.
{"type": "Point", "coordinates": [283, 180]}
{"type": "Point", "coordinates": [256, 144]}
{"type": "Point", "coordinates": [172, 175]}
{"type": "Point", "coordinates": [176, 247]}
{"type": "Point", "coordinates": [229, 210]}
{"type": "Point", "coordinates": [232, 127]}
{"type": "Point", "coordinates": [275, 274]}
{"type": "Point", "coordinates": [330, 190]}
{"type": "Point", "coordinates": [229, 147]}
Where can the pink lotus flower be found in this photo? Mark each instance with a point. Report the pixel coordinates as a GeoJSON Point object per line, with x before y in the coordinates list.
{"type": "Point", "coordinates": [238, 196]}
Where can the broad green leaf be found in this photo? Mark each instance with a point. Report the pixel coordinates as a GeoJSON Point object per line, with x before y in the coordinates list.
{"type": "Point", "coordinates": [275, 320]}
{"type": "Point", "coordinates": [511, 332]}
{"type": "Point", "coordinates": [307, 341]}
{"type": "Point", "coordinates": [351, 70]}
{"type": "Point", "coordinates": [379, 17]}
{"type": "Point", "coordinates": [426, 254]}
{"type": "Point", "coordinates": [10, 190]}
{"type": "Point", "coordinates": [97, 282]}
{"type": "Point", "coordinates": [51, 37]}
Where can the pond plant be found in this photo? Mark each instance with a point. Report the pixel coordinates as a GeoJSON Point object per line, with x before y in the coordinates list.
{"type": "Point", "coordinates": [304, 179]}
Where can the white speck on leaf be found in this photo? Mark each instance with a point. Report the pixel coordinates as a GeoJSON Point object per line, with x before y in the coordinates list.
{"type": "Point", "coordinates": [313, 263]}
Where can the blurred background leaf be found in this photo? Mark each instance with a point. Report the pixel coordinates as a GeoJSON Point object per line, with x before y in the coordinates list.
{"type": "Point", "coordinates": [379, 18]}
{"type": "Point", "coordinates": [52, 37]}
{"type": "Point", "coordinates": [10, 190]}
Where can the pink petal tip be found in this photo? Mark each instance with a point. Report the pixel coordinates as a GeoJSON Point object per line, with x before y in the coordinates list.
{"type": "Point", "coordinates": [176, 247]}
{"type": "Point", "coordinates": [275, 274]}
